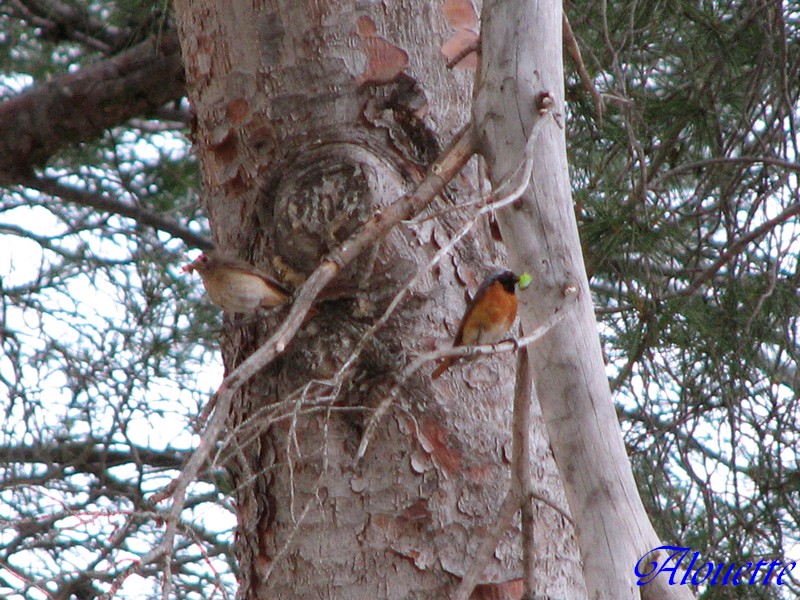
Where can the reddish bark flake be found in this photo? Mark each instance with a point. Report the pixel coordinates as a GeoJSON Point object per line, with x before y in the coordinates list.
{"type": "Point", "coordinates": [507, 590]}
{"type": "Point", "coordinates": [238, 184]}
{"type": "Point", "coordinates": [416, 512]}
{"type": "Point", "coordinates": [436, 444]}
{"type": "Point", "coordinates": [237, 110]}
{"type": "Point", "coordinates": [460, 14]}
{"type": "Point", "coordinates": [385, 61]}
{"type": "Point", "coordinates": [481, 473]}
{"type": "Point", "coordinates": [458, 44]}
{"type": "Point", "coordinates": [226, 150]}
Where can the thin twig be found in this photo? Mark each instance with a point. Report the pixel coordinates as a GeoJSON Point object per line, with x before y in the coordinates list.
{"type": "Point", "coordinates": [314, 497]}
{"type": "Point", "coordinates": [520, 494]}
{"type": "Point", "coordinates": [177, 489]}
{"type": "Point", "coordinates": [460, 351]}
{"type": "Point", "coordinates": [725, 161]}
{"type": "Point", "coordinates": [736, 247]}
{"type": "Point", "coordinates": [507, 346]}
{"type": "Point", "coordinates": [464, 53]}
{"type": "Point", "coordinates": [571, 42]}
{"type": "Point", "coordinates": [285, 547]}
{"type": "Point", "coordinates": [102, 203]}
{"type": "Point", "coordinates": [525, 400]}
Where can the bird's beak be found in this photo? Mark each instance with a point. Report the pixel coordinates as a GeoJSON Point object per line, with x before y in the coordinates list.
{"type": "Point", "coordinates": [188, 268]}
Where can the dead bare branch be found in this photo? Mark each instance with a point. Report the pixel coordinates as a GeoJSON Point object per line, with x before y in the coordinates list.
{"type": "Point", "coordinates": [117, 207]}
{"type": "Point", "coordinates": [736, 247]}
{"type": "Point", "coordinates": [520, 494]}
{"type": "Point", "coordinates": [575, 52]}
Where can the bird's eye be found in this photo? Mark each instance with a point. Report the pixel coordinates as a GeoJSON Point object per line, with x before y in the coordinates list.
{"type": "Point", "coordinates": [204, 258]}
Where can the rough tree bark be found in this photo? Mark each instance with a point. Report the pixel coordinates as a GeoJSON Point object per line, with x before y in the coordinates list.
{"type": "Point", "coordinates": [521, 59]}
{"type": "Point", "coordinates": [309, 117]}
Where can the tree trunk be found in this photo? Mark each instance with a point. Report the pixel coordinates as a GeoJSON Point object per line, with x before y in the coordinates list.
{"type": "Point", "coordinates": [310, 116]}
{"type": "Point", "coordinates": [521, 59]}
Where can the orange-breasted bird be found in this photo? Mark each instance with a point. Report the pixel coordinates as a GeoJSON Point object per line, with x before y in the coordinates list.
{"type": "Point", "coordinates": [235, 285]}
{"type": "Point", "coordinates": [488, 317]}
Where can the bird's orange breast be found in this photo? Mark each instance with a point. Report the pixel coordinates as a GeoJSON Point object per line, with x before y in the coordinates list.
{"type": "Point", "coordinates": [491, 317]}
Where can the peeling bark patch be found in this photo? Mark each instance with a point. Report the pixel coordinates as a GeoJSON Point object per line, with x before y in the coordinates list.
{"type": "Point", "coordinates": [237, 110]}
{"type": "Point", "coordinates": [482, 473]}
{"type": "Point", "coordinates": [508, 590]}
{"type": "Point", "coordinates": [458, 44]}
{"type": "Point", "coordinates": [417, 512]}
{"type": "Point", "coordinates": [359, 484]}
{"type": "Point", "coordinates": [460, 14]}
{"type": "Point", "coordinates": [403, 532]}
{"type": "Point", "coordinates": [238, 184]}
{"type": "Point", "coordinates": [385, 61]}
{"type": "Point", "coordinates": [436, 444]}
{"type": "Point", "coordinates": [483, 375]}
{"type": "Point", "coordinates": [468, 277]}
{"type": "Point", "coordinates": [419, 462]}
{"type": "Point", "coordinates": [262, 138]}
{"type": "Point", "coordinates": [225, 151]}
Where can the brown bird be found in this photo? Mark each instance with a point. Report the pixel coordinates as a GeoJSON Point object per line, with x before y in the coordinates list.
{"type": "Point", "coordinates": [235, 285]}
{"type": "Point", "coordinates": [488, 317]}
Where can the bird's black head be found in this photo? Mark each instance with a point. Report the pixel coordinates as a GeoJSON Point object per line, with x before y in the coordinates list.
{"type": "Point", "coordinates": [508, 279]}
